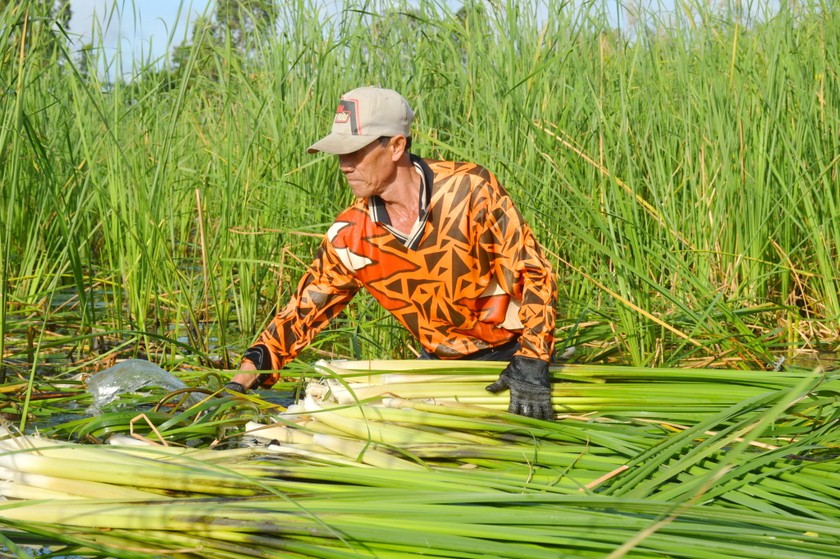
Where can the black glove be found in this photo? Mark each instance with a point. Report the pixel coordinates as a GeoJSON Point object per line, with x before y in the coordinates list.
{"type": "Point", "coordinates": [530, 388]}
{"type": "Point", "coordinates": [235, 387]}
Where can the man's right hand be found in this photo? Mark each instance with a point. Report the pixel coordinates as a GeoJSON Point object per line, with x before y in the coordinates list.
{"type": "Point", "coordinates": [235, 387]}
{"type": "Point", "coordinates": [243, 380]}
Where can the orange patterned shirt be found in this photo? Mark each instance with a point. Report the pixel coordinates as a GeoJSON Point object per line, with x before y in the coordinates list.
{"type": "Point", "coordinates": [471, 276]}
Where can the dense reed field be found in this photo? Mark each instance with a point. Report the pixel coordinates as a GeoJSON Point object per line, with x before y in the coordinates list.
{"type": "Point", "coordinates": [681, 170]}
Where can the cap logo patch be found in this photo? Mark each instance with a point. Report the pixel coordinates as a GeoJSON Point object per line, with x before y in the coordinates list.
{"type": "Point", "coordinates": [347, 112]}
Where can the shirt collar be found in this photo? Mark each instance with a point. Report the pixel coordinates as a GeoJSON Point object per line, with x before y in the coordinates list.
{"type": "Point", "coordinates": [376, 207]}
{"type": "Point", "coordinates": [378, 213]}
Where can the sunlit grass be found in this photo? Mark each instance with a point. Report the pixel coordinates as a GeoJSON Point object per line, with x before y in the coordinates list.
{"type": "Point", "coordinates": [681, 177]}
{"type": "Point", "coordinates": [680, 172]}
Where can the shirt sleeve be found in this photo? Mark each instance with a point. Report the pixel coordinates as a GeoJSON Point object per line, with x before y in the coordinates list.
{"type": "Point", "coordinates": [521, 268]}
{"type": "Point", "coordinates": [322, 293]}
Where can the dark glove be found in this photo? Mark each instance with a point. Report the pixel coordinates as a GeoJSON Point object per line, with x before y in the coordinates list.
{"type": "Point", "coordinates": [235, 387]}
{"type": "Point", "coordinates": [530, 388]}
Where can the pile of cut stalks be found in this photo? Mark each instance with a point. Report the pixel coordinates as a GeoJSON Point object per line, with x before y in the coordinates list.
{"type": "Point", "coordinates": [394, 459]}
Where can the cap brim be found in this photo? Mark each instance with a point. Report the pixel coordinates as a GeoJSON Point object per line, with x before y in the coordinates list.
{"type": "Point", "coordinates": [340, 144]}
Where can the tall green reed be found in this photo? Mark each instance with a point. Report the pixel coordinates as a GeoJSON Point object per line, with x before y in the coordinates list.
{"type": "Point", "coordinates": [45, 228]}
{"type": "Point", "coordinates": [679, 174]}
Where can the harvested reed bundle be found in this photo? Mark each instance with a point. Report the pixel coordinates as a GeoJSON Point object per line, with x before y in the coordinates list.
{"type": "Point", "coordinates": [392, 477]}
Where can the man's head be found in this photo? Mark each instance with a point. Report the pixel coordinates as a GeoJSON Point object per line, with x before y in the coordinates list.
{"type": "Point", "coordinates": [363, 116]}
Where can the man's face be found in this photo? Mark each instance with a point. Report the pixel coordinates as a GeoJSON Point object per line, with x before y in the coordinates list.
{"type": "Point", "coordinates": [369, 170]}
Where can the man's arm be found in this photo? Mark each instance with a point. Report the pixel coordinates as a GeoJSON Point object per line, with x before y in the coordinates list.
{"type": "Point", "coordinates": [521, 269]}
{"type": "Point", "coordinates": [525, 274]}
{"type": "Point", "coordinates": [244, 379]}
{"type": "Point", "coordinates": [322, 293]}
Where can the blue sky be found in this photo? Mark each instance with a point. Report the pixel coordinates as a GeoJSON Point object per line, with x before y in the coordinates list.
{"type": "Point", "coordinates": [138, 28]}
{"type": "Point", "coordinates": [142, 29]}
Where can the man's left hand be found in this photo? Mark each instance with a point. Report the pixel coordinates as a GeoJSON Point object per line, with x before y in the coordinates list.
{"type": "Point", "coordinates": [530, 387]}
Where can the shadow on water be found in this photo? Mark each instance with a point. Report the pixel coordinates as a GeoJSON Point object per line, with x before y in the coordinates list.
{"type": "Point", "coordinates": [805, 359]}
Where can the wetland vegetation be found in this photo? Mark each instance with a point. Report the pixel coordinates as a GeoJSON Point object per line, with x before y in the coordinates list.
{"type": "Point", "coordinates": [680, 170]}
{"type": "Point", "coordinates": [679, 167]}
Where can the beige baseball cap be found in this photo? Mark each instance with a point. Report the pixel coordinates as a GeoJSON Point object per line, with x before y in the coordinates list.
{"type": "Point", "coordinates": [362, 116]}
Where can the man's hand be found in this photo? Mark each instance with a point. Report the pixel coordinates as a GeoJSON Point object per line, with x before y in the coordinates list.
{"type": "Point", "coordinates": [243, 380]}
{"type": "Point", "coordinates": [235, 387]}
{"type": "Point", "coordinates": [530, 388]}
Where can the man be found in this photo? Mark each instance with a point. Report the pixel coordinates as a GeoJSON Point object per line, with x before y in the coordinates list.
{"type": "Point", "coordinates": [439, 244]}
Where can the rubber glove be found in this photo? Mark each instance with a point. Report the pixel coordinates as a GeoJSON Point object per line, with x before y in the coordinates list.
{"type": "Point", "coordinates": [530, 388]}
{"type": "Point", "coordinates": [235, 387]}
